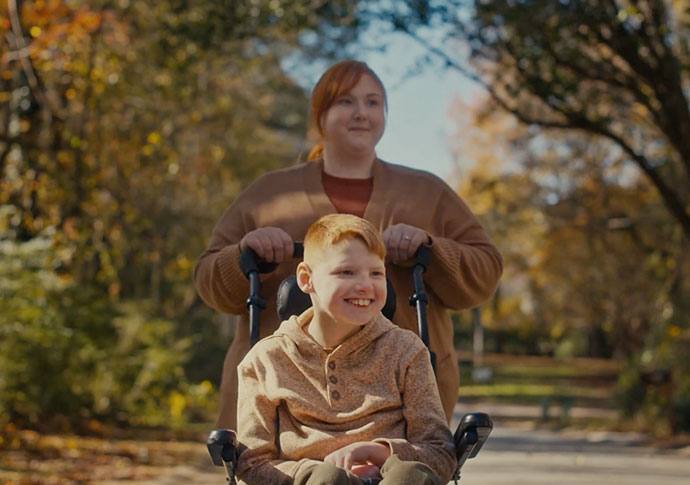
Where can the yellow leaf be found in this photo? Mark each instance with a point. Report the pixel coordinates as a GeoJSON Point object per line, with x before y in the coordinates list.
{"type": "Point", "coordinates": [184, 263]}
{"type": "Point", "coordinates": [154, 138]}
{"type": "Point", "coordinates": [177, 404]}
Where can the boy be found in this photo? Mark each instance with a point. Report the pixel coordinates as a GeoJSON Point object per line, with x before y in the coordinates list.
{"type": "Point", "coordinates": [340, 394]}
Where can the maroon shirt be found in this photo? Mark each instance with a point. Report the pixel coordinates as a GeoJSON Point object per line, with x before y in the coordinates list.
{"type": "Point", "coordinates": [348, 196]}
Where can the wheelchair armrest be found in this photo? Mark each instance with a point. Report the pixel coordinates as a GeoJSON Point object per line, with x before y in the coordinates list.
{"type": "Point", "coordinates": [222, 446]}
{"type": "Point", "coordinates": [471, 435]}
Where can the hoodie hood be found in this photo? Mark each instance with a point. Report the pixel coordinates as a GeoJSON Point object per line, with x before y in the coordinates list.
{"type": "Point", "coordinates": [294, 329]}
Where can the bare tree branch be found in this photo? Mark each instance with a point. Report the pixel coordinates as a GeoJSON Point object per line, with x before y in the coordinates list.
{"type": "Point", "coordinates": [637, 63]}
{"type": "Point", "coordinates": [22, 52]}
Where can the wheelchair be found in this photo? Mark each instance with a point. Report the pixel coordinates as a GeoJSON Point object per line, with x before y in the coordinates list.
{"type": "Point", "coordinates": [473, 429]}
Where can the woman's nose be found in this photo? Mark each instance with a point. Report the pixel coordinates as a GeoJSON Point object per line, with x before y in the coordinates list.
{"type": "Point", "coordinates": [360, 112]}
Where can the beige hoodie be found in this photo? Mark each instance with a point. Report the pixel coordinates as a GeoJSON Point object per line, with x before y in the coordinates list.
{"type": "Point", "coordinates": [299, 402]}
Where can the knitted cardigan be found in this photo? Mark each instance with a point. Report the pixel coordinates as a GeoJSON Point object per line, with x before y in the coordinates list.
{"type": "Point", "coordinates": [464, 271]}
{"type": "Point", "coordinates": [298, 402]}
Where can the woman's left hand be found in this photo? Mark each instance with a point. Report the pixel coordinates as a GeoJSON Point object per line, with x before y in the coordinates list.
{"type": "Point", "coordinates": [402, 241]}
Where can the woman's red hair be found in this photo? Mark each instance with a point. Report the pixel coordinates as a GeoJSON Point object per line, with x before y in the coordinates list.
{"type": "Point", "coordinates": [338, 79]}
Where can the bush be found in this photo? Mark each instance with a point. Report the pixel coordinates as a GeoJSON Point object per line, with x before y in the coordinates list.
{"type": "Point", "coordinates": [656, 385]}
{"type": "Point", "coordinates": [630, 392]}
{"type": "Point", "coordinates": [70, 352]}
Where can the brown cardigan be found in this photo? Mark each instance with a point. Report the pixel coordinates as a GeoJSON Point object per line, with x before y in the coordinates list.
{"type": "Point", "coordinates": [298, 402]}
{"type": "Point", "coordinates": [464, 271]}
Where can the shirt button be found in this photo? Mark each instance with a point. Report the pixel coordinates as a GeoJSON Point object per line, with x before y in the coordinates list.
{"type": "Point", "coordinates": [333, 379]}
{"type": "Point", "coordinates": [331, 365]}
{"type": "Point", "coordinates": [335, 395]}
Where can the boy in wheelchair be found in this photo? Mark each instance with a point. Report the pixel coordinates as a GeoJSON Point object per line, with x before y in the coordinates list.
{"type": "Point", "coordinates": [339, 394]}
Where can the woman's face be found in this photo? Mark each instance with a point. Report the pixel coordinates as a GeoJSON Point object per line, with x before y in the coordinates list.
{"type": "Point", "coordinates": [355, 121]}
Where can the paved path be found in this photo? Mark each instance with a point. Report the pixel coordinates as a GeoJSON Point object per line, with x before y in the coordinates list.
{"type": "Point", "coordinates": [527, 456]}
{"type": "Point", "coordinates": [515, 456]}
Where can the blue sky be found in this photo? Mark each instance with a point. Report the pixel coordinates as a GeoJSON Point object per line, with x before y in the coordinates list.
{"type": "Point", "coordinates": [418, 124]}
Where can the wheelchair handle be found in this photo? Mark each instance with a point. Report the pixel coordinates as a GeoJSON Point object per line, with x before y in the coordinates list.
{"type": "Point", "coordinates": [419, 300]}
{"type": "Point", "coordinates": [250, 262]}
{"type": "Point", "coordinates": [251, 266]}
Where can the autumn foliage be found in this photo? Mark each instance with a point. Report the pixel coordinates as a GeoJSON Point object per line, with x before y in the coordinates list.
{"type": "Point", "coordinates": [126, 128]}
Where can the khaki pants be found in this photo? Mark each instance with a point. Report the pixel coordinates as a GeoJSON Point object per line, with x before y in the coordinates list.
{"type": "Point", "coordinates": [394, 472]}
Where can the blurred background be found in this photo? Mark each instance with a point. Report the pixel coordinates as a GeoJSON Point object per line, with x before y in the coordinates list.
{"type": "Point", "coordinates": [128, 126]}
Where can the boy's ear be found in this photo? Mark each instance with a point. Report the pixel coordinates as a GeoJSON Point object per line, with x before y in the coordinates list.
{"type": "Point", "coordinates": [304, 278]}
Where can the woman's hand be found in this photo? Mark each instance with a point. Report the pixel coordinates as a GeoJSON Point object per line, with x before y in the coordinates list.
{"type": "Point", "coordinates": [271, 244]}
{"type": "Point", "coordinates": [352, 456]}
{"type": "Point", "coordinates": [402, 241]}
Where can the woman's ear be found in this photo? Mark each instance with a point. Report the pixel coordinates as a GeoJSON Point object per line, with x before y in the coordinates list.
{"type": "Point", "coordinates": [304, 278]}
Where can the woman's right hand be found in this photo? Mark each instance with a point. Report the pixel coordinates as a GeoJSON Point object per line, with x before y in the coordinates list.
{"type": "Point", "coordinates": [271, 244]}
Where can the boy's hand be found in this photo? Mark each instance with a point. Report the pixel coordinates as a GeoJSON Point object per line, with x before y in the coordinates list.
{"type": "Point", "coordinates": [366, 471]}
{"type": "Point", "coordinates": [360, 453]}
{"type": "Point", "coordinates": [402, 242]}
{"type": "Point", "coordinates": [271, 244]}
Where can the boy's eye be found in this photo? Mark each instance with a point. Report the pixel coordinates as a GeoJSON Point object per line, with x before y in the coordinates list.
{"type": "Point", "coordinates": [377, 273]}
{"type": "Point", "coordinates": [346, 272]}
{"type": "Point", "coordinates": [373, 102]}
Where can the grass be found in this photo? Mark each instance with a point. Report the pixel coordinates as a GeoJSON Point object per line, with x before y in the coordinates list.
{"type": "Point", "coordinates": [531, 393]}
{"type": "Point", "coordinates": [535, 380]}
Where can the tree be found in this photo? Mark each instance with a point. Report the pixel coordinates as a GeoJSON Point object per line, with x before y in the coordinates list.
{"type": "Point", "coordinates": [618, 69]}
{"type": "Point", "coordinates": [591, 255]}
{"type": "Point", "coordinates": [126, 128]}
{"type": "Point", "coordinates": [101, 100]}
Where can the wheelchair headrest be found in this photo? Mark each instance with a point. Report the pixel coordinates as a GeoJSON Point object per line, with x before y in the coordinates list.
{"type": "Point", "coordinates": [292, 301]}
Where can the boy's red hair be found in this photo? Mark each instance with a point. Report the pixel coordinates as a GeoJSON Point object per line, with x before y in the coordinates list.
{"type": "Point", "coordinates": [333, 228]}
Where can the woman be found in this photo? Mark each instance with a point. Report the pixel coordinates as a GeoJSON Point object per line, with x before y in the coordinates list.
{"type": "Point", "coordinates": [343, 174]}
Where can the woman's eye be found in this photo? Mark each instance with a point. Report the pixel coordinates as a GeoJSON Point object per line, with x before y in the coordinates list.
{"type": "Point", "coordinates": [346, 272]}
{"type": "Point", "coordinates": [373, 102]}
{"type": "Point", "coordinates": [377, 273]}
{"type": "Point", "coordinates": [344, 101]}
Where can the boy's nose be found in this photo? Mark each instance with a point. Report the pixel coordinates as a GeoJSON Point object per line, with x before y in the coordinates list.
{"type": "Point", "coordinates": [364, 284]}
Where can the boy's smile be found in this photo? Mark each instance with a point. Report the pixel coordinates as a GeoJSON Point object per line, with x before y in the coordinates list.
{"type": "Point", "coordinates": [360, 302]}
{"type": "Point", "coordinates": [347, 285]}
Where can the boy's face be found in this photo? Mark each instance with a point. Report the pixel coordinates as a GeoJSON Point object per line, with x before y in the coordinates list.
{"type": "Point", "coordinates": [347, 283]}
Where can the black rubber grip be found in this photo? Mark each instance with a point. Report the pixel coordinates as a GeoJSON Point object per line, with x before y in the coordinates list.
{"type": "Point", "coordinates": [251, 262]}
